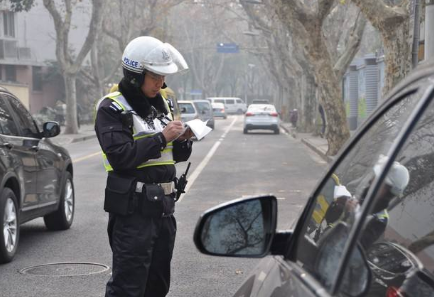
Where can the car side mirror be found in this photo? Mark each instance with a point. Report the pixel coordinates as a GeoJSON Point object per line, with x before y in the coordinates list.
{"type": "Point", "coordinates": [50, 129]}
{"type": "Point", "coordinates": [357, 276]}
{"type": "Point", "coordinates": [239, 228]}
{"type": "Point", "coordinates": [205, 111]}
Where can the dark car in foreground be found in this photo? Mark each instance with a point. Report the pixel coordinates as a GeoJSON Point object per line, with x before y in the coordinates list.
{"type": "Point", "coordinates": [327, 251]}
{"type": "Point", "coordinates": [35, 175]}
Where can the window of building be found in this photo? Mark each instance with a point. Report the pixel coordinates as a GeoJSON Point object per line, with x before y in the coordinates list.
{"type": "Point", "coordinates": [9, 23]}
{"type": "Point", "coordinates": [37, 78]}
{"type": "Point", "coordinates": [11, 73]}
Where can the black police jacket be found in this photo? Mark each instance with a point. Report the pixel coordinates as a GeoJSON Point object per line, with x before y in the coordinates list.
{"type": "Point", "coordinates": [125, 154]}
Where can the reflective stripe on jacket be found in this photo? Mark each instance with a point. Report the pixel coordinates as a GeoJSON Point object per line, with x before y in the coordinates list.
{"type": "Point", "coordinates": [141, 129]}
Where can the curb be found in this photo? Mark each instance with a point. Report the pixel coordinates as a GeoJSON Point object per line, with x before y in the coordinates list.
{"type": "Point", "coordinates": [326, 158]}
{"type": "Point", "coordinates": [286, 129]}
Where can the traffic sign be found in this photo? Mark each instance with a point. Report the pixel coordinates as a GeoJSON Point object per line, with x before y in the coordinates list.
{"type": "Point", "coordinates": [196, 92]}
{"type": "Point", "coordinates": [228, 48]}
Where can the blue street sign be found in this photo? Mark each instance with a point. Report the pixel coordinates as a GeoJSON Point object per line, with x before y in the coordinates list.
{"type": "Point", "coordinates": [228, 48]}
{"type": "Point", "coordinates": [196, 92]}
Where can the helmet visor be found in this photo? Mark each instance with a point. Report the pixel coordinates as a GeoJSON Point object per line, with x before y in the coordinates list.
{"type": "Point", "coordinates": [177, 58]}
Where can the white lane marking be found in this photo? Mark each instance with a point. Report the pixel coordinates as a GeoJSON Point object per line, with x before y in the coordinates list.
{"type": "Point", "coordinates": [205, 161]}
{"type": "Point", "coordinates": [86, 157]}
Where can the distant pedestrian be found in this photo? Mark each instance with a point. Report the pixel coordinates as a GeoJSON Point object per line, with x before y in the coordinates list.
{"type": "Point", "coordinates": [293, 118]}
{"type": "Point", "coordinates": [323, 120]}
{"type": "Point", "coordinates": [79, 111]}
{"type": "Point", "coordinates": [60, 112]}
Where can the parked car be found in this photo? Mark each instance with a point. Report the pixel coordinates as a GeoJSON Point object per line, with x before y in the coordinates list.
{"type": "Point", "coordinates": [233, 105]}
{"type": "Point", "coordinates": [188, 110]}
{"type": "Point", "coordinates": [204, 110]}
{"type": "Point", "coordinates": [322, 256]}
{"type": "Point", "coordinates": [218, 110]}
{"type": "Point", "coordinates": [35, 175]}
{"type": "Point", "coordinates": [261, 116]}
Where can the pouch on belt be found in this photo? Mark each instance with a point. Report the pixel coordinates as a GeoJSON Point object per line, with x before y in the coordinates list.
{"type": "Point", "coordinates": [119, 194]}
{"type": "Point", "coordinates": [156, 201]}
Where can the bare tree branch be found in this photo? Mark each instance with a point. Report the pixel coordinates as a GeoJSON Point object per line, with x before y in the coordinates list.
{"type": "Point", "coordinates": [324, 8]}
{"type": "Point", "coordinates": [381, 15]}
{"type": "Point", "coordinates": [352, 46]}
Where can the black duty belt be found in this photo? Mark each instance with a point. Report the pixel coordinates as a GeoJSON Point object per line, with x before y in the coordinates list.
{"type": "Point", "coordinates": [168, 188]}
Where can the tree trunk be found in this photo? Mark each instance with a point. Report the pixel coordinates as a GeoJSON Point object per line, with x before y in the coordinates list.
{"type": "Point", "coordinates": [309, 101]}
{"type": "Point", "coordinates": [337, 131]}
{"type": "Point", "coordinates": [71, 103]}
{"type": "Point", "coordinates": [394, 25]}
{"type": "Point", "coordinates": [96, 73]}
{"type": "Point", "coordinates": [397, 56]}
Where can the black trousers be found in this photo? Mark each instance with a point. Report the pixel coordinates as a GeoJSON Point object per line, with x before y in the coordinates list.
{"type": "Point", "coordinates": [142, 249]}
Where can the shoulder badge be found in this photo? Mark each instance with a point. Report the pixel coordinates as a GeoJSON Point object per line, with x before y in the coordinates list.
{"type": "Point", "coordinates": [116, 107]}
{"type": "Point", "coordinates": [171, 105]}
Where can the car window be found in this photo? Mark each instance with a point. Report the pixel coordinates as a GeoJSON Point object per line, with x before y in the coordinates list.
{"type": "Point", "coordinates": [201, 106]}
{"type": "Point", "coordinates": [25, 120]}
{"type": "Point", "coordinates": [340, 197]}
{"type": "Point", "coordinates": [230, 101]}
{"type": "Point", "coordinates": [186, 108]}
{"type": "Point", "coordinates": [239, 101]}
{"type": "Point", "coordinates": [403, 255]}
{"type": "Point", "coordinates": [7, 124]}
{"type": "Point", "coordinates": [219, 101]}
{"type": "Point", "coordinates": [261, 107]}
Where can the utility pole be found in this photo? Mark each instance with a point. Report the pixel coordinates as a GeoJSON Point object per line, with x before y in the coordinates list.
{"type": "Point", "coordinates": [429, 32]}
{"type": "Point", "coordinates": [416, 35]}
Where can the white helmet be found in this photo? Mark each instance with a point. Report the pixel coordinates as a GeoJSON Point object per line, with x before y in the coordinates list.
{"type": "Point", "coordinates": [397, 177]}
{"type": "Point", "coordinates": [341, 191]}
{"type": "Point", "coordinates": [146, 52]}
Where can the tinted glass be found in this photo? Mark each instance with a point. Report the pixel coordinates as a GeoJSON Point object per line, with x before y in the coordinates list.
{"type": "Point", "coordinates": [340, 198]}
{"type": "Point", "coordinates": [230, 101]}
{"type": "Point", "coordinates": [261, 107]}
{"type": "Point", "coordinates": [186, 108]}
{"type": "Point", "coordinates": [7, 124]}
{"type": "Point", "coordinates": [219, 101]}
{"type": "Point", "coordinates": [403, 254]}
{"type": "Point", "coordinates": [202, 106]}
{"type": "Point", "coordinates": [25, 120]}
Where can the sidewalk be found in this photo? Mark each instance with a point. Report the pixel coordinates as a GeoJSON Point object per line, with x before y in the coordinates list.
{"type": "Point", "coordinates": [316, 143]}
{"type": "Point", "coordinates": [84, 133]}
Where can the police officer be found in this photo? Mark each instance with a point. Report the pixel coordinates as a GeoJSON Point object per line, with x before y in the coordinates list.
{"type": "Point", "coordinates": [393, 186]}
{"type": "Point", "coordinates": [140, 144]}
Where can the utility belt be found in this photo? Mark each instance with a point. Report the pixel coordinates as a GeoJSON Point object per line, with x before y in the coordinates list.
{"type": "Point", "coordinates": [125, 195]}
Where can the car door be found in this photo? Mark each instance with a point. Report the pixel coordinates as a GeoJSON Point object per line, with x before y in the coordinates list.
{"type": "Point", "coordinates": [344, 197]}
{"type": "Point", "coordinates": [315, 262]}
{"type": "Point", "coordinates": [48, 175]}
{"type": "Point", "coordinates": [230, 105]}
{"type": "Point", "coordinates": [18, 156]}
{"type": "Point", "coordinates": [241, 106]}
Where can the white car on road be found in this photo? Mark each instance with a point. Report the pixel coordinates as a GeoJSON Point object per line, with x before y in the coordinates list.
{"type": "Point", "coordinates": [261, 116]}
